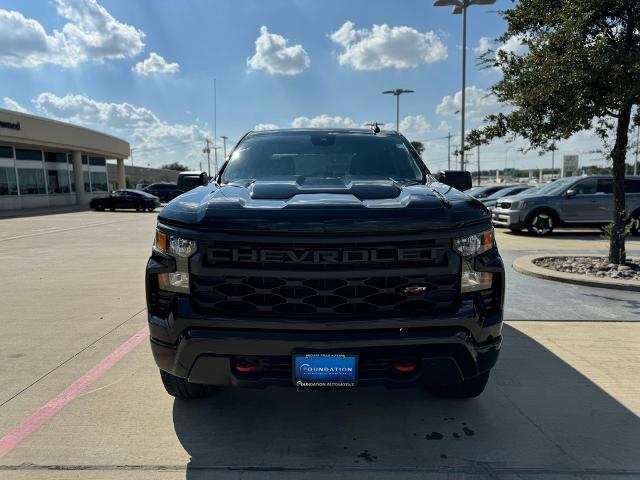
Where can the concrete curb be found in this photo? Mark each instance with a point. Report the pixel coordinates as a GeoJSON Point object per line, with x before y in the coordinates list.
{"type": "Point", "coordinates": [526, 266]}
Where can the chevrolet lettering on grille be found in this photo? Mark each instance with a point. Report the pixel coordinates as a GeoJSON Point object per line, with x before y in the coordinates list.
{"type": "Point", "coordinates": [315, 257]}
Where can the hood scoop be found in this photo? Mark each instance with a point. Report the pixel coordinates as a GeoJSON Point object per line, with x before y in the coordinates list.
{"type": "Point", "coordinates": [286, 189]}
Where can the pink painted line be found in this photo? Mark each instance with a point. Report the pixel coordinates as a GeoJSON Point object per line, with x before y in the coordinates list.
{"type": "Point", "coordinates": [16, 436]}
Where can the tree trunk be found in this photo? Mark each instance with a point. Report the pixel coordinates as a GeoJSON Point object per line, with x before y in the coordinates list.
{"type": "Point", "coordinates": [617, 253]}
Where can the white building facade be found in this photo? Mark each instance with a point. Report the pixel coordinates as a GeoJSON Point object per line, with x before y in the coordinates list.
{"type": "Point", "coordinates": [46, 163]}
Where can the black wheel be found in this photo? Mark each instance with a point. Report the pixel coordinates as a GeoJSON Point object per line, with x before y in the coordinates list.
{"type": "Point", "coordinates": [516, 230]}
{"type": "Point", "coordinates": [139, 208]}
{"type": "Point", "coordinates": [151, 209]}
{"type": "Point", "coordinates": [182, 388]}
{"type": "Point", "coordinates": [470, 388]}
{"type": "Point", "coordinates": [112, 209]}
{"type": "Point", "coordinates": [541, 223]}
{"type": "Point", "coordinates": [635, 229]}
{"type": "Point", "coordinates": [99, 207]}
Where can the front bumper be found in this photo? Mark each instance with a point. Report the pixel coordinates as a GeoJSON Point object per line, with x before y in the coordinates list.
{"type": "Point", "coordinates": [446, 348]}
{"type": "Point", "coordinates": [507, 218]}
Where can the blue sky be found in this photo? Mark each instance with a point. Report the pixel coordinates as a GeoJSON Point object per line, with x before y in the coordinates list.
{"type": "Point", "coordinates": [144, 70]}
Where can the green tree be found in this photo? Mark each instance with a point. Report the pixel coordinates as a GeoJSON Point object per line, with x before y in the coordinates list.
{"type": "Point", "coordinates": [580, 71]}
{"type": "Point", "coordinates": [419, 147]}
{"type": "Point", "coordinates": [175, 166]}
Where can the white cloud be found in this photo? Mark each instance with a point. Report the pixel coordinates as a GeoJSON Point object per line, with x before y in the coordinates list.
{"type": "Point", "coordinates": [444, 126]}
{"type": "Point", "coordinates": [274, 56]}
{"type": "Point", "coordinates": [484, 45]}
{"type": "Point", "coordinates": [323, 121]}
{"type": "Point", "coordinates": [266, 126]}
{"type": "Point", "coordinates": [91, 33]}
{"type": "Point", "coordinates": [155, 64]}
{"type": "Point", "coordinates": [11, 104]}
{"type": "Point", "coordinates": [384, 46]}
{"type": "Point", "coordinates": [479, 103]}
{"type": "Point", "coordinates": [515, 45]}
{"type": "Point", "coordinates": [415, 127]}
{"type": "Point", "coordinates": [143, 127]}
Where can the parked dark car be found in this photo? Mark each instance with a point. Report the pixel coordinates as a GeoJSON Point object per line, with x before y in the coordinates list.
{"type": "Point", "coordinates": [324, 259]}
{"type": "Point", "coordinates": [484, 192]}
{"type": "Point", "coordinates": [164, 191]}
{"type": "Point", "coordinates": [129, 198]}
{"type": "Point", "coordinates": [491, 201]}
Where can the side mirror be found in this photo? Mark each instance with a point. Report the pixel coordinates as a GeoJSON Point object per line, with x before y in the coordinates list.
{"type": "Point", "coordinates": [190, 180]}
{"type": "Point", "coordinates": [460, 180]}
{"type": "Point", "coordinates": [570, 193]}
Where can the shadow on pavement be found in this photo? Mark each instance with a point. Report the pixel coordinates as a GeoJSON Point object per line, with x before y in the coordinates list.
{"type": "Point", "coordinates": [538, 416]}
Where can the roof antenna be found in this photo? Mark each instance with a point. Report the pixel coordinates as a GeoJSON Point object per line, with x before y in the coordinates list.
{"type": "Point", "coordinates": [375, 127]}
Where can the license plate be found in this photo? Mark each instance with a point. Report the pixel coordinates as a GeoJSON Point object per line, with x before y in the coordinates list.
{"type": "Point", "coordinates": [325, 370]}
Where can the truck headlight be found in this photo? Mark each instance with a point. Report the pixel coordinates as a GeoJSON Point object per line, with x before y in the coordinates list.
{"type": "Point", "coordinates": [469, 247]}
{"type": "Point", "coordinates": [180, 249]}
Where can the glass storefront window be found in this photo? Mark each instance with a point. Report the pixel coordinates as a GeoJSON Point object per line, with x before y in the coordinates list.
{"type": "Point", "coordinates": [31, 181]}
{"type": "Point", "coordinates": [87, 182]}
{"type": "Point", "coordinates": [57, 157]}
{"type": "Point", "coordinates": [58, 181]}
{"type": "Point", "coordinates": [23, 154]}
{"type": "Point", "coordinates": [99, 181]}
{"type": "Point", "coordinates": [6, 152]}
{"type": "Point", "coordinates": [8, 184]}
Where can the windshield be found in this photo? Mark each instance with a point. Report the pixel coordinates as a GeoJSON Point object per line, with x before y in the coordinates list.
{"type": "Point", "coordinates": [322, 155]}
{"type": "Point", "coordinates": [556, 187]}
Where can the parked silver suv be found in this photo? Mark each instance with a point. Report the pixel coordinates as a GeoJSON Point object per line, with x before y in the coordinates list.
{"type": "Point", "coordinates": [571, 201]}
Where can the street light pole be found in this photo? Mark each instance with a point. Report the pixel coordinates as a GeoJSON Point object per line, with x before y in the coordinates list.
{"type": "Point", "coordinates": [460, 7]}
{"type": "Point", "coordinates": [397, 92]}
{"type": "Point", "coordinates": [464, 75]}
{"type": "Point", "coordinates": [224, 145]}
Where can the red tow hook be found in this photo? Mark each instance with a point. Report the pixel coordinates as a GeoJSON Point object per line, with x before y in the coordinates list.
{"type": "Point", "coordinates": [404, 367]}
{"type": "Point", "coordinates": [244, 366]}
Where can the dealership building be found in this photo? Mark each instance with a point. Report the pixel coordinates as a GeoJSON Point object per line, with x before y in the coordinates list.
{"type": "Point", "coordinates": [47, 163]}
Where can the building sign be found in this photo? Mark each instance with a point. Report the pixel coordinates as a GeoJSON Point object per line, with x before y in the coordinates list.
{"type": "Point", "coordinates": [569, 165]}
{"type": "Point", "coordinates": [10, 125]}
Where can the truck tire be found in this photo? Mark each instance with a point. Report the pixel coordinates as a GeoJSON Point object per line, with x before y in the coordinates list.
{"type": "Point", "coordinates": [182, 388]}
{"type": "Point", "coordinates": [470, 388]}
{"type": "Point", "coordinates": [541, 223]}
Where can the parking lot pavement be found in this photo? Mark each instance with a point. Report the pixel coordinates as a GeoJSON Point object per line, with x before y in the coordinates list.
{"type": "Point", "coordinates": [559, 405]}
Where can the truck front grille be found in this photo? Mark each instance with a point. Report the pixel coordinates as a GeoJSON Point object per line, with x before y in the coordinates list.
{"type": "Point", "coordinates": [283, 287]}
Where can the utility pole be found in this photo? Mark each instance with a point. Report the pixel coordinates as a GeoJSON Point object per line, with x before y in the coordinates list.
{"type": "Point", "coordinates": [215, 128]}
{"type": "Point", "coordinates": [131, 152]}
{"type": "Point", "coordinates": [207, 150]}
{"type": "Point", "coordinates": [553, 163]}
{"type": "Point", "coordinates": [449, 151]}
{"type": "Point", "coordinates": [478, 153]}
{"type": "Point", "coordinates": [224, 145]}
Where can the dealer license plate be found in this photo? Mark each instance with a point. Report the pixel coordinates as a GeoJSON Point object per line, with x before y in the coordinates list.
{"type": "Point", "coordinates": [325, 370]}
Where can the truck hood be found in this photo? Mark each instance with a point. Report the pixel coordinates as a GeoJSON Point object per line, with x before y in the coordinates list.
{"type": "Point", "coordinates": [324, 206]}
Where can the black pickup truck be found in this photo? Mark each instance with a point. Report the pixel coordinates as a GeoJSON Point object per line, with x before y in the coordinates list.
{"type": "Point", "coordinates": [325, 258]}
